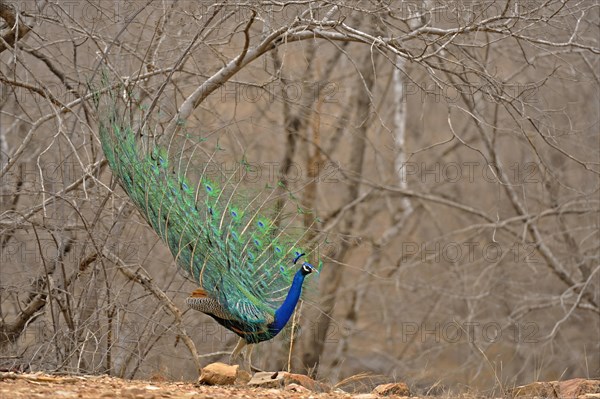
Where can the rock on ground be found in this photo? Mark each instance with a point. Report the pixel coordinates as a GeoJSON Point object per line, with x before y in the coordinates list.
{"type": "Point", "coordinates": [395, 388]}
{"type": "Point", "coordinates": [223, 374]}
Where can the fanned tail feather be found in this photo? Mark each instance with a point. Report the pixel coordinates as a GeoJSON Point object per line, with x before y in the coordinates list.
{"type": "Point", "coordinates": [226, 240]}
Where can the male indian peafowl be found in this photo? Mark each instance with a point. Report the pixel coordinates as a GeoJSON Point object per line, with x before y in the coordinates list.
{"type": "Point", "coordinates": [227, 242]}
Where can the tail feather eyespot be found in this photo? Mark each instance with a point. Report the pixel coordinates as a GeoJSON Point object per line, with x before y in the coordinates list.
{"type": "Point", "coordinates": [184, 186]}
{"type": "Point", "coordinates": [263, 224]}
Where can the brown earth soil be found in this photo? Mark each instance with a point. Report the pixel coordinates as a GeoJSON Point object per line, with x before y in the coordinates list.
{"type": "Point", "coordinates": [39, 385]}
{"type": "Point", "coordinates": [21, 386]}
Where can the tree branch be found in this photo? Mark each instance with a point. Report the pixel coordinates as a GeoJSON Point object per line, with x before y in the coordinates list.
{"type": "Point", "coordinates": [16, 30]}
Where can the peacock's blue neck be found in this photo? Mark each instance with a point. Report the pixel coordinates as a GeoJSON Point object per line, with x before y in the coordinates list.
{"type": "Point", "coordinates": [283, 314]}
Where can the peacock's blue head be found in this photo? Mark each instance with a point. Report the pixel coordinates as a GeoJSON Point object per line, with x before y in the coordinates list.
{"type": "Point", "coordinates": [307, 268]}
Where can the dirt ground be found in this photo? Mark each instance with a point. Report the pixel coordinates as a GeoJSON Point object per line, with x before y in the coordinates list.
{"type": "Point", "coordinates": [21, 386]}
{"type": "Point", "coordinates": [39, 385]}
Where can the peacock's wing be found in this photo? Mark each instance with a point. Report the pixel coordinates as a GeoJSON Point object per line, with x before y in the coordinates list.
{"type": "Point", "coordinates": [252, 330]}
{"type": "Point", "coordinates": [200, 300]}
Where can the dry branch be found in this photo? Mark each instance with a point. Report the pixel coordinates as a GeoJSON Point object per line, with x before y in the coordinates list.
{"type": "Point", "coordinates": [16, 27]}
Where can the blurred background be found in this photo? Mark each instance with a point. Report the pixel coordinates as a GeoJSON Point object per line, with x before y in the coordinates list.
{"type": "Point", "coordinates": [449, 150]}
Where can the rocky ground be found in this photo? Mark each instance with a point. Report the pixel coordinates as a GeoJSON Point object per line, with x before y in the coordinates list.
{"type": "Point", "coordinates": [98, 387]}
{"type": "Point", "coordinates": [262, 385]}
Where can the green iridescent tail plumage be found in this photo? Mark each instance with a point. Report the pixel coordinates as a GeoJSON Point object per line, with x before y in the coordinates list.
{"type": "Point", "coordinates": [223, 238]}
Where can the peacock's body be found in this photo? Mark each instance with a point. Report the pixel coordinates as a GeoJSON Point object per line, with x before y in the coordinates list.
{"type": "Point", "coordinates": [228, 243]}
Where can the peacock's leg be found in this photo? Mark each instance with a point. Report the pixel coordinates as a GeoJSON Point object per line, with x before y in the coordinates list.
{"type": "Point", "coordinates": [237, 350]}
{"type": "Point", "coordinates": [248, 357]}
